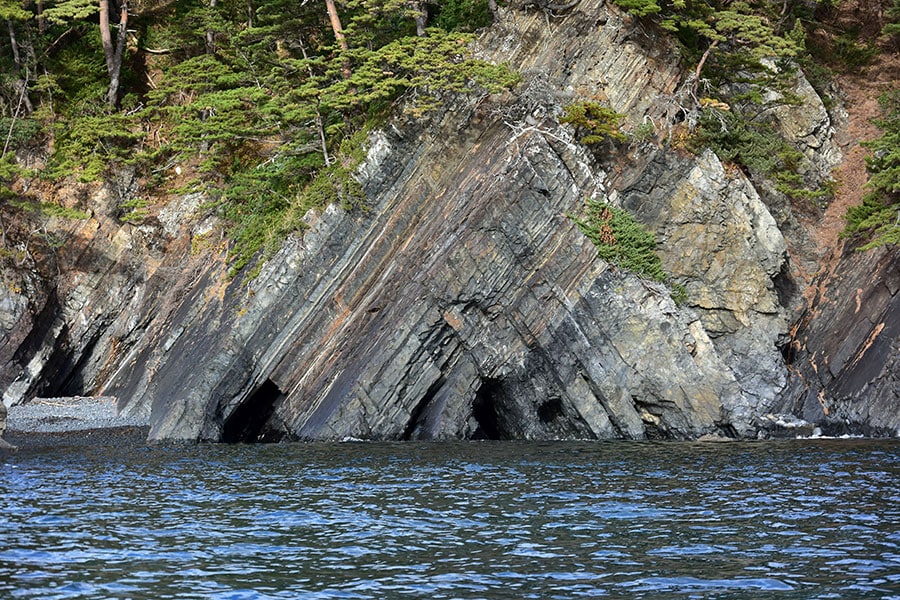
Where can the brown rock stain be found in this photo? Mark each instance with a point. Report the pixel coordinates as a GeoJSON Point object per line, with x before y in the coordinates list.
{"type": "Point", "coordinates": [868, 343]}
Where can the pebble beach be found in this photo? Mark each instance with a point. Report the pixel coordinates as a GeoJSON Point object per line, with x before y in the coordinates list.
{"type": "Point", "coordinates": [72, 421]}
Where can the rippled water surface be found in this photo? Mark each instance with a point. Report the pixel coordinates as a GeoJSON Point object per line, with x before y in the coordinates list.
{"type": "Point", "coordinates": [810, 519]}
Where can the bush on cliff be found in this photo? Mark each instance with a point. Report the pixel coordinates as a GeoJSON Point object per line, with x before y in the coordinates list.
{"type": "Point", "coordinates": [594, 122]}
{"type": "Point", "coordinates": [620, 240]}
{"type": "Point", "coordinates": [877, 220]}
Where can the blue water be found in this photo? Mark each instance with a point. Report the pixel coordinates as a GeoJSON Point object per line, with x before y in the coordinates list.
{"type": "Point", "coordinates": [800, 519]}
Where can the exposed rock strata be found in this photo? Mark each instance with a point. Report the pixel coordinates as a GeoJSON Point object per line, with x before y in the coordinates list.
{"type": "Point", "coordinates": [845, 353]}
{"type": "Point", "coordinates": [467, 304]}
{"type": "Point", "coordinates": [464, 302]}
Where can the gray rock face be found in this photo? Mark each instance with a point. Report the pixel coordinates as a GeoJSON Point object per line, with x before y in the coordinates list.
{"type": "Point", "coordinates": [68, 335]}
{"type": "Point", "coordinates": [721, 243]}
{"type": "Point", "coordinates": [4, 445]}
{"type": "Point", "coordinates": [466, 304]}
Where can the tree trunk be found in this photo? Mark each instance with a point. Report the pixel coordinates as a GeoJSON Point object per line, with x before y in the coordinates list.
{"type": "Point", "coordinates": [210, 34]}
{"type": "Point", "coordinates": [320, 123]}
{"type": "Point", "coordinates": [23, 96]}
{"type": "Point", "coordinates": [21, 85]}
{"type": "Point", "coordinates": [42, 23]}
{"type": "Point", "coordinates": [338, 34]}
{"type": "Point", "coordinates": [113, 53]}
{"type": "Point", "coordinates": [421, 10]}
{"type": "Point", "coordinates": [14, 44]}
{"type": "Point", "coordinates": [106, 35]}
{"type": "Point", "coordinates": [696, 84]}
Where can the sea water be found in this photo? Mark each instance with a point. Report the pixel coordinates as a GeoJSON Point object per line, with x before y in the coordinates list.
{"type": "Point", "coordinates": [790, 519]}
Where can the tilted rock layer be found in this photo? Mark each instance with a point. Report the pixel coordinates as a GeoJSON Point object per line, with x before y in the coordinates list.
{"type": "Point", "coordinates": [845, 355]}
{"type": "Point", "coordinates": [463, 302]}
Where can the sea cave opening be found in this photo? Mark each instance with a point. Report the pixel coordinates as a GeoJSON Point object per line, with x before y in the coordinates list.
{"type": "Point", "coordinates": [550, 410]}
{"type": "Point", "coordinates": [485, 411]}
{"type": "Point", "coordinates": [251, 422]}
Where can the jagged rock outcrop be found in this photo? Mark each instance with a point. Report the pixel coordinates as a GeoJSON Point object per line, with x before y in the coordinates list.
{"type": "Point", "coordinates": [719, 240]}
{"type": "Point", "coordinates": [464, 302]}
{"type": "Point", "coordinates": [845, 353]}
{"type": "Point", "coordinates": [465, 305]}
{"type": "Point", "coordinates": [66, 336]}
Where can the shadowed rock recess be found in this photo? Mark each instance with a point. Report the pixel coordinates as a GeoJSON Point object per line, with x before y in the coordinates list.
{"type": "Point", "coordinates": [464, 302]}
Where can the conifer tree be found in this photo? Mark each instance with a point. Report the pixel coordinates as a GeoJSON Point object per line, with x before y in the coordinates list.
{"type": "Point", "coordinates": [68, 11]}
{"type": "Point", "coordinates": [12, 12]}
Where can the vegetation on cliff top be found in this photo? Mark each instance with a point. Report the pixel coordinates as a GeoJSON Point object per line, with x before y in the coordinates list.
{"type": "Point", "coordinates": [744, 56]}
{"type": "Point", "coordinates": [251, 103]}
{"type": "Point", "coordinates": [258, 104]}
{"type": "Point", "coordinates": [877, 219]}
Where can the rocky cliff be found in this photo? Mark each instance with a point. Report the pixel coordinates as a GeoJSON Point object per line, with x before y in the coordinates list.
{"type": "Point", "coordinates": [843, 358]}
{"type": "Point", "coordinates": [463, 301]}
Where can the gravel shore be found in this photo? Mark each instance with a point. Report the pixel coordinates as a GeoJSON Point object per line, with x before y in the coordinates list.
{"type": "Point", "coordinates": [72, 421]}
{"type": "Point", "coordinates": [59, 415]}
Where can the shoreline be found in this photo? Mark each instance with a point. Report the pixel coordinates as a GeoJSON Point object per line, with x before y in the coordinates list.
{"type": "Point", "coordinates": [73, 421]}
{"type": "Point", "coordinates": [85, 421]}
{"type": "Point", "coordinates": [136, 437]}
{"type": "Point", "coordinates": [130, 436]}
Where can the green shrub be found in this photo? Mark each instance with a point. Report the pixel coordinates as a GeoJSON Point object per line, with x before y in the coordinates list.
{"type": "Point", "coordinates": [758, 146]}
{"type": "Point", "coordinates": [21, 132]}
{"type": "Point", "coordinates": [892, 15]}
{"type": "Point", "coordinates": [264, 205]}
{"type": "Point", "coordinates": [877, 219]}
{"type": "Point", "coordinates": [463, 15]}
{"type": "Point", "coordinates": [621, 241]}
{"type": "Point", "coordinates": [639, 8]}
{"type": "Point", "coordinates": [852, 51]}
{"type": "Point", "coordinates": [594, 122]}
{"type": "Point", "coordinates": [134, 210]}
{"type": "Point", "coordinates": [61, 212]}
{"type": "Point", "coordinates": [644, 132]}
{"type": "Point", "coordinates": [87, 146]}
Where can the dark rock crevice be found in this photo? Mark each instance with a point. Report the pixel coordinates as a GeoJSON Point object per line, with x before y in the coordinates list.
{"type": "Point", "coordinates": [251, 421]}
{"type": "Point", "coordinates": [417, 423]}
{"type": "Point", "coordinates": [487, 411]}
{"type": "Point", "coordinates": [550, 410]}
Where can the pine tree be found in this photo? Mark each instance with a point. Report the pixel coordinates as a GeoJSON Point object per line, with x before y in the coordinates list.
{"type": "Point", "coordinates": [68, 11]}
